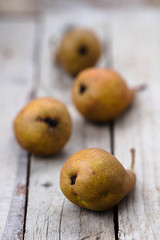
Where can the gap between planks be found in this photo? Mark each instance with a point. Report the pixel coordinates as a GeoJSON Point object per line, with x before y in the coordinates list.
{"type": "Point", "coordinates": [27, 190]}
{"type": "Point", "coordinates": [115, 209]}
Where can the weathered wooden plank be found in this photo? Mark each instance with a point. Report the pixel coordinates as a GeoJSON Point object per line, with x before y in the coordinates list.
{"type": "Point", "coordinates": [50, 215]}
{"type": "Point", "coordinates": [19, 6]}
{"type": "Point", "coordinates": [137, 56]}
{"type": "Point", "coordinates": [35, 6]}
{"type": "Point", "coordinates": [86, 4]}
{"type": "Point", "coordinates": [16, 53]}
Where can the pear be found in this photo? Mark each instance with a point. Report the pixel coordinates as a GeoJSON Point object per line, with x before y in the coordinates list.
{"type": "Point", "coordinates": [94, 179]}
{"type": "Point", "coordinates": [101, 95]}
{"type": "Point", "coordinates": [79, 49]}
{"type": "Point", "coordinates": [43, 126]}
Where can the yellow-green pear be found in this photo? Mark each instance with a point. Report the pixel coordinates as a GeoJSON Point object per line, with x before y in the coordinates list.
{"type": "Point", "coordinates": [78, 50]}
{"type": "Point", "coordinates": [101, 95]}
{"type": "Point", "coordinates": [94, 179]}
{"type": "Point", "coordinates": [43, 126]}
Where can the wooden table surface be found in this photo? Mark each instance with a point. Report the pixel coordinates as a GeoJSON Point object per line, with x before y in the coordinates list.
{"type": "Point", "coordinates": [32, 206]}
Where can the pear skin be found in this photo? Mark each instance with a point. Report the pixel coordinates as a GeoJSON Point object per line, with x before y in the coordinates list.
{"type": "Point", "coordinates": [43, 126]}
{"type": "Point", "coordinates": [79, 49]}
{"type": "Point", "coordinates": [94, 179]}
{"type": "Point", "coordinates": [101, 95]}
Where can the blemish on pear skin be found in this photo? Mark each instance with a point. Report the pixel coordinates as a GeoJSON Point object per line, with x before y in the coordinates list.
{"type": "Point", "coordinates": [82, 89]}
{"type": "Point", "coordinates": [83, 50]}
{"type": "Point", "coordinates": [73, 179]}
{"type": "Point", "coordinates": [51, 122]}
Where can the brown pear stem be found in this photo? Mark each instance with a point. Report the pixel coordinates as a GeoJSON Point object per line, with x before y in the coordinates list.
{"type": "Point", "coordinates": [140, 87]}
{"type": "Point", "coordinates": [133, 158]}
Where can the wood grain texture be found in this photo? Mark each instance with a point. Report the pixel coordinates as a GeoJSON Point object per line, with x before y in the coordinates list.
{"type": "Point", "coordinates": [137, 55]}
{"type": "Point", "coordinates": [50, 215]}
{"type": "Point", "coordinates": [16, 52]}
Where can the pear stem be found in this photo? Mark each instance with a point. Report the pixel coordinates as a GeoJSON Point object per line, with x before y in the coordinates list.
{"type": "Point", "coordinates": [133, 158]}
{"type": "Point", "coordinates": [140, 87]}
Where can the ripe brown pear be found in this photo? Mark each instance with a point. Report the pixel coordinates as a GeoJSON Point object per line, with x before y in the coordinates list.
{"type": "Point", "coordinates": [43, 126]}
{"type": "Point", "coordinates": [94, 179]}
{"type": "Point", "coordinates": [78, 50]}
{"type": "Point", "coordinates": [101, 95]}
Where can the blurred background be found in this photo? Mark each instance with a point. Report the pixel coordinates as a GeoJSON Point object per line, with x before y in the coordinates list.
{"type": "Point", "coordinates": [35, 6]}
